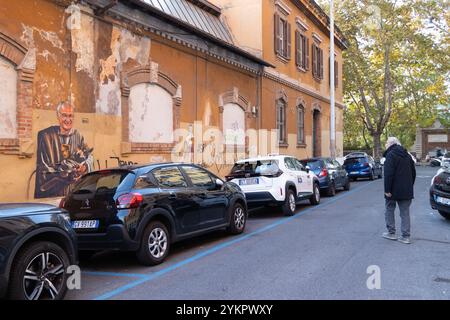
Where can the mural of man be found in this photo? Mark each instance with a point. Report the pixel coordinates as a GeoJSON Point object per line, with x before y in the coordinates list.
{"type": "Point", "coordinates": [62, 155]}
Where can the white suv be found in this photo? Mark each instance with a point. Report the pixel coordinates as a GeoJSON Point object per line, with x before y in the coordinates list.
{"type": "Point", "coordinates": [275, 180]}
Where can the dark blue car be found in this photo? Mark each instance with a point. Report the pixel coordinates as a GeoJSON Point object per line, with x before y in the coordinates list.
{"type": "Point", "coordinates": [330, 173]}
{"type": "Point", "coordinates": [362, 166]}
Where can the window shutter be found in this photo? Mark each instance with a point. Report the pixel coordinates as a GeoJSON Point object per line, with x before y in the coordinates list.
{"type": "Point", "coordinates": [306, 47]}
{"type": "Point", "coordinates": [314, 61]}
{"type": "Point", "coordinates": [277, 33]}
{"type": "Point", "coordinates": [321, 63]}
{"type": "Point", "coordinates": [336, 76]}
{"type": "Point", "coordinates": [289, 40]}
{"type": "Point", "coordinates": [297, 49]}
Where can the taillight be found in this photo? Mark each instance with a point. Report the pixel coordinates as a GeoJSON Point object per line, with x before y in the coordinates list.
{"type": "Point", "coordinates": [129, 201]}
{"type": "Point", "coordinates": [62, 203]}
{"type": "Point", "coordinates": [323, 173]}
{"type": "Point", "coordinates": [366, 164]}
{"type": "Point", "coordinates": [438, 180]}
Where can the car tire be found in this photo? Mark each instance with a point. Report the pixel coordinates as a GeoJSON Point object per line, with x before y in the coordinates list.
{"type": "Point", "coordinates": [446, 215]}
{"type": "Point", "coordinates": [315, 198]}
{"type": "Point", "coordinates": [347, 185]}
{"type": "Point", "coordinates": [30, 280]}
{"type": "Point", "coordinates": [155, 244]}
{"type": "Point", "coordinates": [290, 203]}
{"type": "Point", "coordinates": [331, 191]}
{"type": "Point", "coordinates": [354, 179]}
{"type": "Point", "coordinates": [238, 219]}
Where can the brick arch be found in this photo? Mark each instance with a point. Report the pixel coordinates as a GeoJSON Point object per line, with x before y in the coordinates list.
{"type": "Point", "coordinates": [152, 75]}
{"type": "Point", "coordinates": [15, 52]}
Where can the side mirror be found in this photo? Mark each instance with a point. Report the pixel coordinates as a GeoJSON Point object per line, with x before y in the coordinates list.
{"type": "Point", "coordinates": [219, 183]}
{"type": "Point", "coordinates": [307, 169]}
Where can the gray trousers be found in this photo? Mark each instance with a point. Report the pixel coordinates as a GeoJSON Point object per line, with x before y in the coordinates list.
{"type": "Point", "coordinates": [403, 205]}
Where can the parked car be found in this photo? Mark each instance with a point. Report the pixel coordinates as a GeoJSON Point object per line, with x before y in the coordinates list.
{"type": "Point", "coordinates": [363, 167]}
{"type": "Point", "coordinates": [445, 162]}
{"type": "Point", "coordinates": [275, 180]}
{"type": "Point", "coordinates": [147, 208]}
{"type": "Point", "coordinates": [330, 173]}
{"type": "Point", "coordinates": [440, 193]}
{"type": "Point", "coordinates": [37, 245]}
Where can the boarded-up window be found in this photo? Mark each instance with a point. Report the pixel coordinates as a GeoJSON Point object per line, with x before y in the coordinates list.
{"type": "Point", "coordinates": [151, 114]}
{"type": "Point", "coordinates": [8, 100]}
{"type": "Point", "coordinates": [234, 124]}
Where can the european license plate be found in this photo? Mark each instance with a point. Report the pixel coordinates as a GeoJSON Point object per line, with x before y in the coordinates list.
{"type": "Point", "coordinates": [354, 172]}
{"type": "Point", "coordinates": [443, 200]}
{"type": "Point", "coordinates": [85, 224]}
{"type": "Point", "coordinates": [248, 181]}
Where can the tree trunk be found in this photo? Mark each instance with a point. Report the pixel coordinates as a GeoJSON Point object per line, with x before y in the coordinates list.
{"type": "Point", "coordinates": [377, 145]}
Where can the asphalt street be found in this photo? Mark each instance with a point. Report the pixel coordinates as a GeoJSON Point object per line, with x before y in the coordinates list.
{"type": "Point", "coordinates": [323, 252]}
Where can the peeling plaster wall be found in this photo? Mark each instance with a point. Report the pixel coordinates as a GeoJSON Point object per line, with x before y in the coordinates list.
{"type": "Point", "coordinates": [8, 100]}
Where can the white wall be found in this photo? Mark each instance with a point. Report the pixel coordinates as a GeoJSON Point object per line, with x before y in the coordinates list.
{"type": "Point", "coordinates": [234, 124]}
{"type": "Point", "coordinates": [151, 114]}
{"type": "Point", "coordinates": [8, 100]}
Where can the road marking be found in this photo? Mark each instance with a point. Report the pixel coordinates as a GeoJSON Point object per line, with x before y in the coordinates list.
{"type": "Point", "coordinates": [221, 246]}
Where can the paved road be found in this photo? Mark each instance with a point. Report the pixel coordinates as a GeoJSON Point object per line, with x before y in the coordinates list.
{"type": "Point", "coordinates": [321, 253]}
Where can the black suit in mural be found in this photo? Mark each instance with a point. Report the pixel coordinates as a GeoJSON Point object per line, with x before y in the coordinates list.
{"type": "Point", "coordinates": [59, 158]}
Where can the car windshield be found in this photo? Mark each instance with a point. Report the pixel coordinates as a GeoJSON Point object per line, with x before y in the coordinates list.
{"type": "Point", "coordinates": [259, 167]}
{"type": "Point", "coordinates": [354, 161]}
{"type": "Point", "coordinates": [102, 182]}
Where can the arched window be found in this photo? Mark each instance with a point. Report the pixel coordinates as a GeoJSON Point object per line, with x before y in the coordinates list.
{"type": "Point", "coordinates": [300, 124]}
{"type": "Point", "coordinates": [8, 100]}
{"type": "Point", "coordinates": [281, 120]}
{"type": "Point", "coordinates": [151, 114]}
{"type": "Point", "coordinates": [233, 124]}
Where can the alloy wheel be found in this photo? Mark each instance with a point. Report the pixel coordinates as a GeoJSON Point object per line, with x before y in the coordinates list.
{"type": "Point", "coordinates": [292, 204]}
{"type": "Point", "coordinates": [157, 243]}
{"type": "Point", "coordinates": [239, 218]}
{"type": "Point", "coordinates": [44, 276]}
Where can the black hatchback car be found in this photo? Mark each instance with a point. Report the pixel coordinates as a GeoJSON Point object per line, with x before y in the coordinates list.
{"type": "Point", "coordinates": [147, 208]}
{"type": "Point", "coordinates": [440, 193]}
{"type": "Point", "coordinates": [37, 245]}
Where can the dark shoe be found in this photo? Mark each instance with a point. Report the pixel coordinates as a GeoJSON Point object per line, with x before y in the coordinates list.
{"type": "Point", "coordinates": [390, 236]}
{"type": "Point", "coordinates": [404, 240]}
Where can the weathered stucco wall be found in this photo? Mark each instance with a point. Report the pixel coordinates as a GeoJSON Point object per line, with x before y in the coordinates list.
{"type": "Point", "coordinates": [80, 58]}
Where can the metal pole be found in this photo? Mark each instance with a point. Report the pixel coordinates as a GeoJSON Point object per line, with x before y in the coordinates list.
{"type": "Point", "coordinates": [332, 102]}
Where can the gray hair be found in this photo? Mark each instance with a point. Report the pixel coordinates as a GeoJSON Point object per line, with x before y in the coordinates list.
{"type": "Point", "coordinates": [391, 141]}
{"type": "Point", "coordinates": [62, 104]}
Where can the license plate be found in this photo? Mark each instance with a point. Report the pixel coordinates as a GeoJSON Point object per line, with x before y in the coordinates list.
{"type": "Point", "coordinates": [245, 182]}
{"type": "Point", "coordinates": [85, 224]}
{"type": "Point", "coordinates": [443, 200]}
{"type": "Point", "coordinates": [354, 172]}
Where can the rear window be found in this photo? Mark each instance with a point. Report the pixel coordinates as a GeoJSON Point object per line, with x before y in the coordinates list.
{"type": "Point", "coordinates": [103, 182]}
{"type": "Point", "coordinates": [260, 167]}
{"type": "Point", "coordinates": [355, 160]}
{"type": "Point", "coordinates": [313, 165]}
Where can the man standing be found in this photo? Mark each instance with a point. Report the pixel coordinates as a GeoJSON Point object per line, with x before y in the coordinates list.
{"type": "Point", "coordinates": [399, 178]}
{"type": "Point", "coordinates": [62, 155]}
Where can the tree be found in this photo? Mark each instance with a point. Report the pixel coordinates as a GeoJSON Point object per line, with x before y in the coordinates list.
{"type": "Point", "coordinates": [396, 67]}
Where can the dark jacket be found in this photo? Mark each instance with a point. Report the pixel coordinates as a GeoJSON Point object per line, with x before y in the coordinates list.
{"type": "Point", "coordinates": [399, 173]}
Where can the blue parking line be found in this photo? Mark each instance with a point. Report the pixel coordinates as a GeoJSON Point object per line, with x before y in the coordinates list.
{"type": "Point", "coordinates": [218, 247]}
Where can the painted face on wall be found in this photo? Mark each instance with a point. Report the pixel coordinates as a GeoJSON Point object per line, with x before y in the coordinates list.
{"type": "Point", "coordinates": [65, 118]}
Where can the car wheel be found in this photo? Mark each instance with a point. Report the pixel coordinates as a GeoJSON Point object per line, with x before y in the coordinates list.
{"type": "Point", "coordinates": [446, 215]}
{"type": "Point", "coordinates": [39, 272]}
{"type": "Point", "coordinates": [315, 199]}
{"type": "Point", "coordinates": [238, 219]}
{"type": "Point", "coordinates": [290, 203]}
{"type": "Point", "coordinates": [155, 244]}
{"type": "Point", "coordinates": [347, 185]}
{"type": "Point", "coordinates": [331, 191]}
